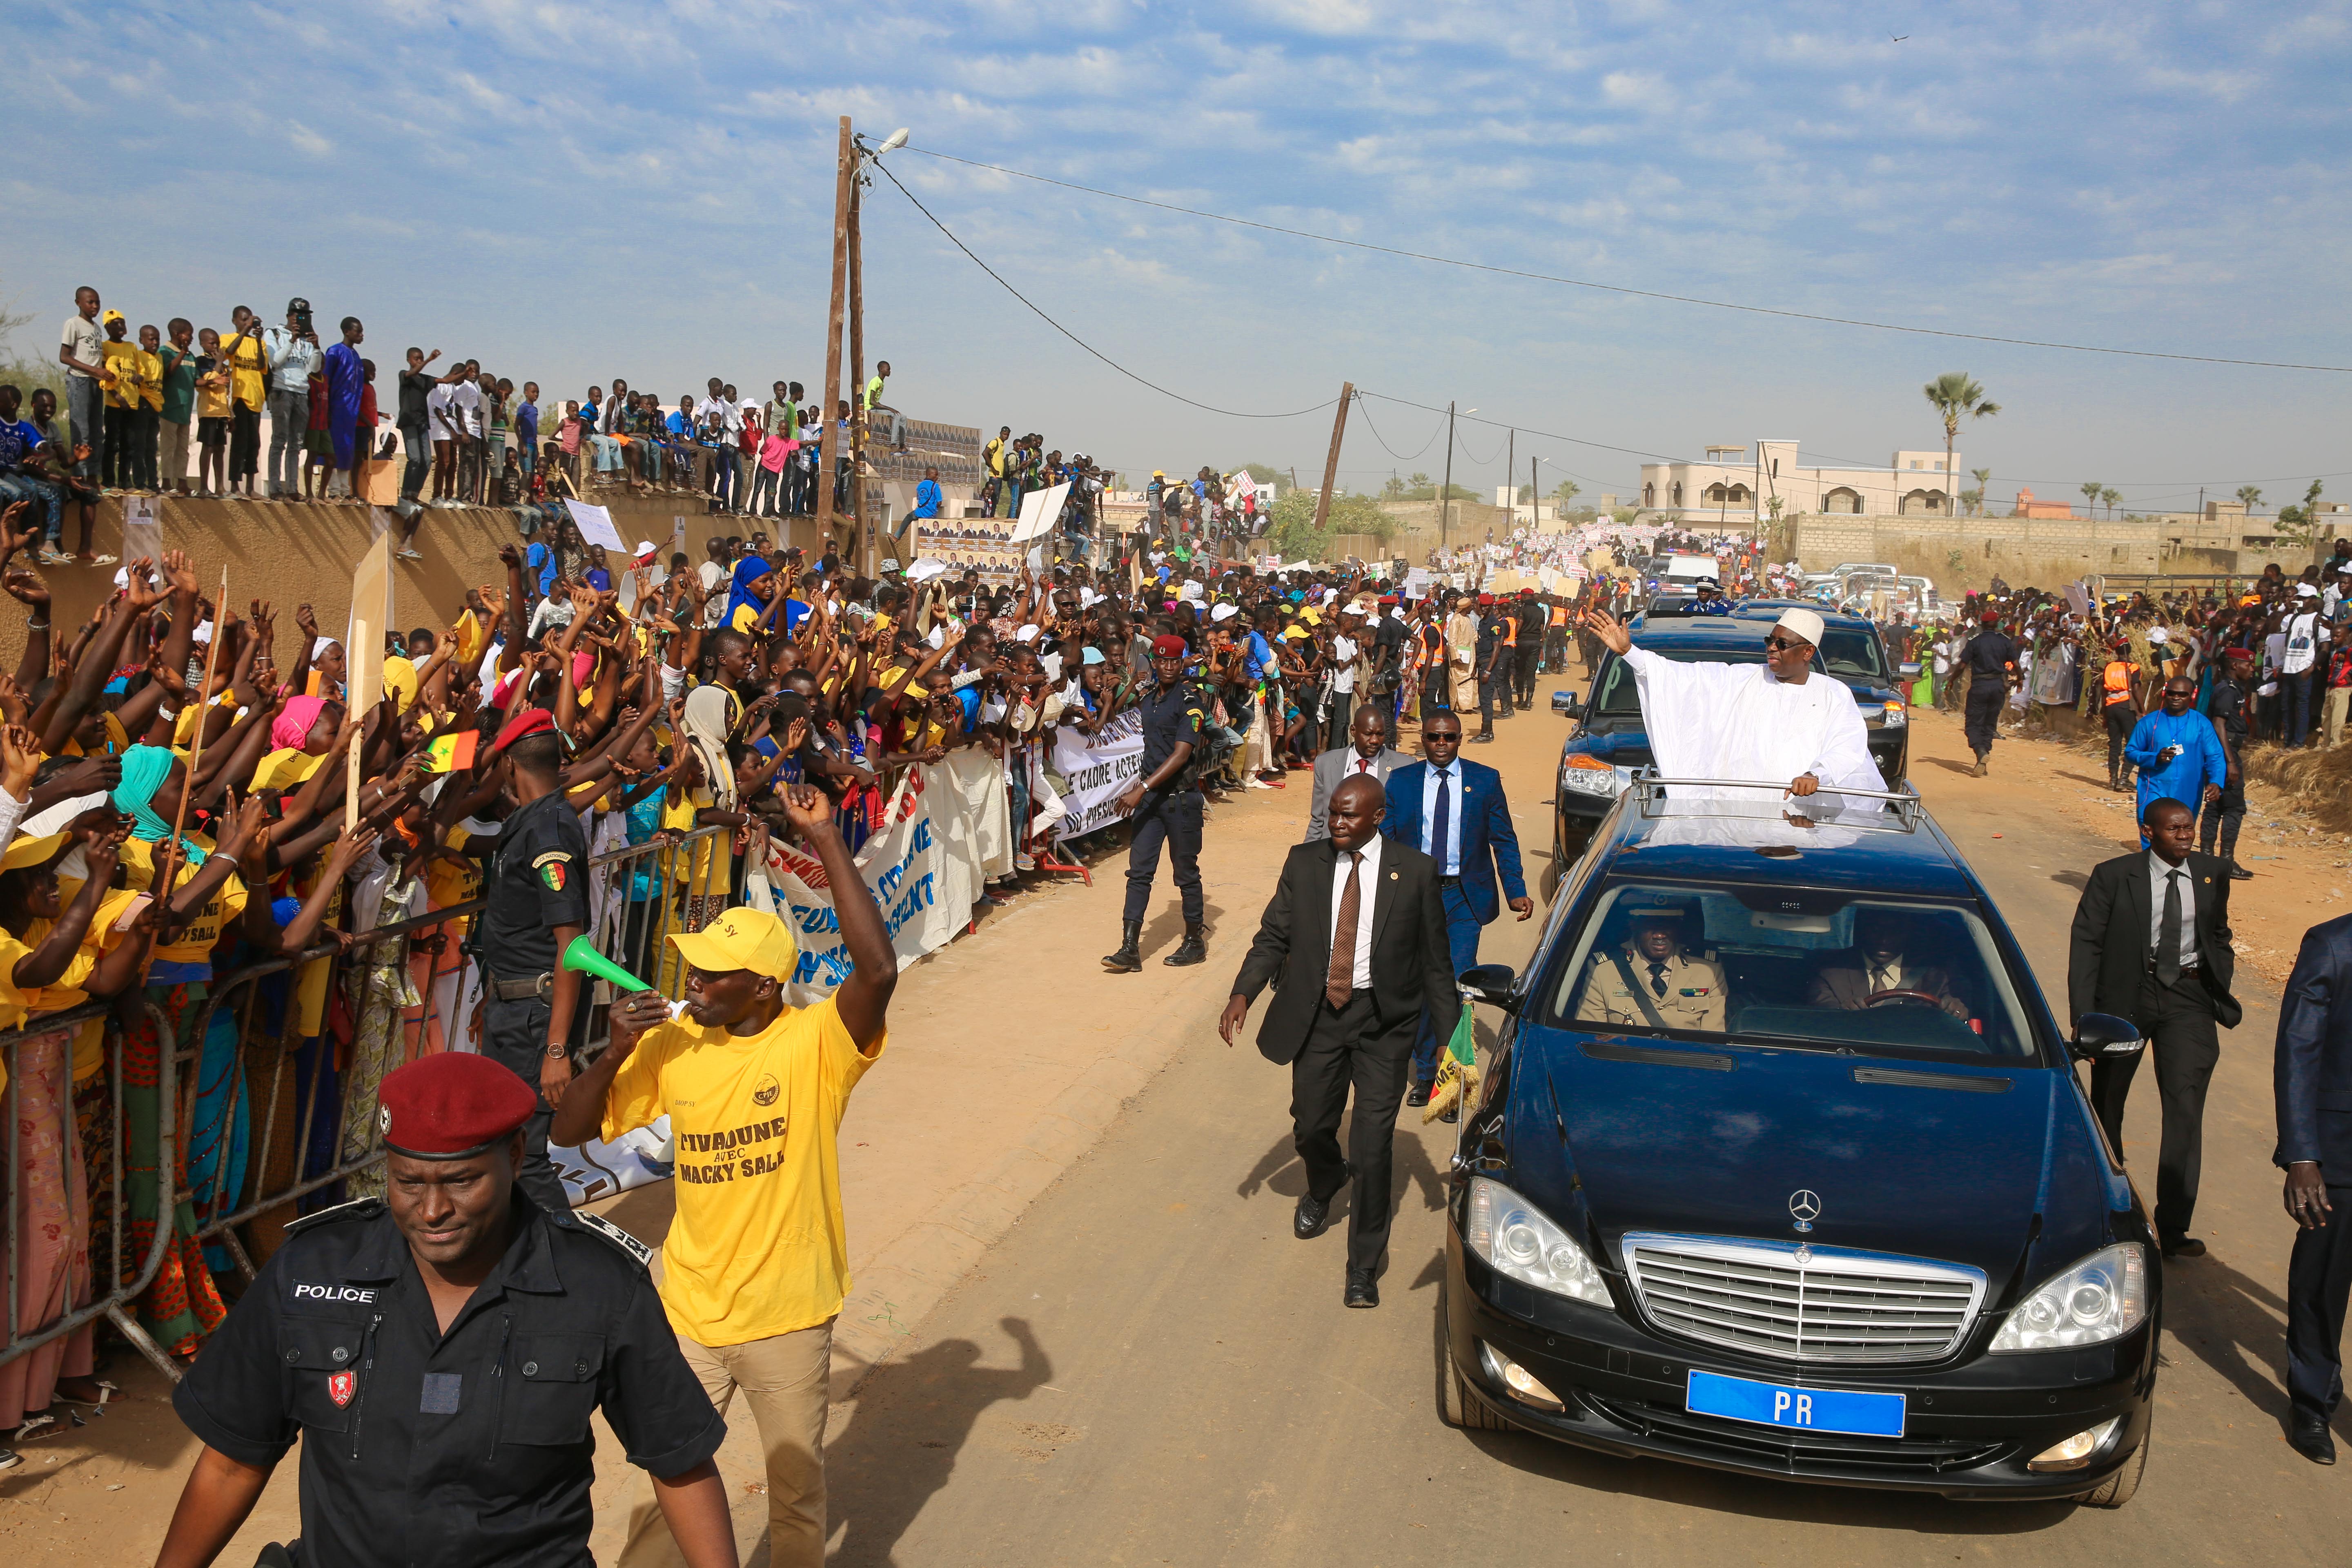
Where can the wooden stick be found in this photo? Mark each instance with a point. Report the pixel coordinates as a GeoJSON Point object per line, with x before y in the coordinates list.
{"type": "Point", "coordinates": [202, 700]}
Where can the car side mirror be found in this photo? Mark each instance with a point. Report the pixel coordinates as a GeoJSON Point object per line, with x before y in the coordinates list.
{"type": "Point", "coordinates": [1492, 983]}
{"type": "Point", "coordinates": [1566, 703]}
{"type": "Point", "coordinates": [2103, 1037]}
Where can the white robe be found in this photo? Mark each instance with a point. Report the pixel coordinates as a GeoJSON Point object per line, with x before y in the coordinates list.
{"type": "Point", "coordinates": [1740, 721]}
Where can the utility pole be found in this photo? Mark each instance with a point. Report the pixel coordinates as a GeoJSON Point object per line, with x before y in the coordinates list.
{"type": "Point", "coordinates": [1535, 498]}
{"type": "Point", "coordinates": [1445, 494]}
{"type": "Point", "coordinates": [844, 181]}
{"type": "Point", "coordinates": [869, 547]}
{"type": "Point", "coordinates": [1331, 458]}
{"type": "Point", "coordinates": [1510, 466]}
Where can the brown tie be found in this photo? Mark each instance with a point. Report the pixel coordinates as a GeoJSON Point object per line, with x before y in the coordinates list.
{"type": "Point", "coordinates": [1339, 983]}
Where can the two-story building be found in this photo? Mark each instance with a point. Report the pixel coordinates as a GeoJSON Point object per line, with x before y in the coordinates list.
{"type": "Point", "coordinates": [1736, 483]}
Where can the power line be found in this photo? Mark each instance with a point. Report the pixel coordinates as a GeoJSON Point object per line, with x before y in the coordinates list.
{"type": "Point", "coordinates": [984, 267]}
{"type": "Point", "coordinates": [1620, 288]}
{"type": "Point", "coordinates": [1366, 415]}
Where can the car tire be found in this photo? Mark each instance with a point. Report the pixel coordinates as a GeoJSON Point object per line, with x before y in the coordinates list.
{"type": "Point", "coordinates": [2118, 1488]}
{"type": "Point", "coordinates": [1458, 1405]}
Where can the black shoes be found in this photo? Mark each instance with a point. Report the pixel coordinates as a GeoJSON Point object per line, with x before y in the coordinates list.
{"type": "Point", "coordinates": [1191, 949]}
{"type": "Point", "coordinates": [1307, 1223]}
{"type": "Point", "coordinates": [1417, 1094]}
{"type": "Point", "coordinates": [1362, 1290]}
{"type": "Point", "coordinates": [2307, 1434]}
{"type": "Point", "coordinates": [1484, 738]}
{"type": "Point", "coordinates": [2184, 1247]}
{"type": "Point", "coordinates": [1451, 1113]}
{"type": "Point", "coordinates": [2239, 873]}
{"type": "Point", "coordinates": [1129, 959]}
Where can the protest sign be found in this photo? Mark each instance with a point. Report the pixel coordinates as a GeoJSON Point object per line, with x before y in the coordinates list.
{"type": "Point", "coordinates": [143, 530]}
{"type": "Point", "coordinates": [596, 526]}
{"type": "Point", "coordinates": [597, 1169]}
{"type": "Point", "coordinates": [1097, 770]}
{"type": "Point", "coordinates": [960, 544]}
{"type": "Point", "coordinates": [925, 893]}
{"type": "Point", "coordinates": [363, 651]}
{"type": "Point", "coordinates": [1040, 510]}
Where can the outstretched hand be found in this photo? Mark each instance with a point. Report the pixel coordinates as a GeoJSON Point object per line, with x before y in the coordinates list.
{"type": "Point", "coordinates": [1610, 630]}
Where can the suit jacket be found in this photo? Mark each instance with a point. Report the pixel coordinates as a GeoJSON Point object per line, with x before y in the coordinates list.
{"type": "Point", "coordinates": [2311, 1073]}
{"type": "Point", "coordinates": [1844, 982]}
{"type": "Point", "coordinates": [1489, 842]}
{"type": "Point", "coordinates": [1413, 966]}
{"type": "Point", "coordinates": [1330, 768]}
{"type": "Point", "coordinates": [2111, 948]}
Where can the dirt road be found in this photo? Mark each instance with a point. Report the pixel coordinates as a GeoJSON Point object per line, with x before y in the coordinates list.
{"type": "Point", "coordinates": [1097, 1342]}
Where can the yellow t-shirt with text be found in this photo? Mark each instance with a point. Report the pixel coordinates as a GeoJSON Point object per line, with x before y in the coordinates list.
{"type": "Point", "coordinates": [759, 1248]}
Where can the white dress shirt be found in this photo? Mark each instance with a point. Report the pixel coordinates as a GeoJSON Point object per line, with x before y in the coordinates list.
{"type": "Point", "coordinates": [2157, 871]}
{"type": "Point", "coordinates": [1367, 874]}
{"type": "Point", "coordinates": [1448, 856]}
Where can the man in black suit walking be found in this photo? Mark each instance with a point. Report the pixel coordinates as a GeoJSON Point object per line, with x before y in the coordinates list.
{"type": "Point", "coordinates": [2312, 1076]}
{"type": "Point", "coordinates": [1354, 942]}
{"type": "Point", "coordinates": [2152, 944]}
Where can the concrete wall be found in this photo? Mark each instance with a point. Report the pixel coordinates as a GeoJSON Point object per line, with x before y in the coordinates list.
{"type": "Point", "coordinates": [1964, 553]}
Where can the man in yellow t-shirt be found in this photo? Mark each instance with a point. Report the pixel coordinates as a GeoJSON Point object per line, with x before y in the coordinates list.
{"type": "Point", "coordinates": [756, 1265]}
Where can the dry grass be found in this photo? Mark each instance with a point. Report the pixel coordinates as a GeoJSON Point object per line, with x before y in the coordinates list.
{"type": "Point", "coordinates": [2318, 784]}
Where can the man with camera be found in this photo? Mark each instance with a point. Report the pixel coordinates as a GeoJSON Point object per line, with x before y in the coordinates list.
{"type": "Point", "coordinates": [293, 352]}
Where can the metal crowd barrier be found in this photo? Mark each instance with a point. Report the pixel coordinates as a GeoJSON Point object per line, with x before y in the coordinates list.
{"type": "Point", "coordinates": [261, 1081]}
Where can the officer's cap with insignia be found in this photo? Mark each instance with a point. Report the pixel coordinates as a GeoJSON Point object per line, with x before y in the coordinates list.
{"type": "Point", "coordinates": [1656, 908]}
{"type": "Point", "coordinates": [452, 1105]}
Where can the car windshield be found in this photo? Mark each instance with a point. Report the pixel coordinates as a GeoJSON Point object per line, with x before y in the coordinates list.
{"type": "Point", "coordinates": [1771, 965]}
{"type": "Point", "coordinates": [1849, 654]}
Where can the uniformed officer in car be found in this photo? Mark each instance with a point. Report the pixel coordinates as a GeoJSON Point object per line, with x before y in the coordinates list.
{"type": "Point", "coordinates": [1651, 980]}
{"type": "Point", "coordinates": [439, 1352]}
{"type": "Point", "coordinates": [538, 890]}
{"type": "Point", "coordinates": [1165, 805]}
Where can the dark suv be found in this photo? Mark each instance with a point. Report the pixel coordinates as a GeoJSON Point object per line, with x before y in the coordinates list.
{"type": "Point", "coordinates": [1608, 742]}
{"type": "Point", "coordinates": [1782, 1167]}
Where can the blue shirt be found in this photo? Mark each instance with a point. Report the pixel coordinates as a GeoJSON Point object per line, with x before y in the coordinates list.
{"type": "Point", "coordinates": [927, 499]}
{"type": "Point", "coordinates": [2199, 762]}
{"type": "Point", "coordinates": [1449, 862]}
{"type": "Point", "coordinates": [18, 440]}
{"type": "Point", "coordinates": [526, 425]}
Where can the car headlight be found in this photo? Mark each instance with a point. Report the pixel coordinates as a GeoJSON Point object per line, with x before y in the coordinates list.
{"type": "Point", "coordinates": [2103, 1297]}
{"type": "Point", "coordinates": [1515, 1240]}
{"type": "Point", "coordinates": [1896, 716]}
{"type": "Point", "coordinates": [1588, 775]}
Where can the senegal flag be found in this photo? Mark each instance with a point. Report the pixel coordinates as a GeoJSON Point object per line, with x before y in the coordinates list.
{"type": "Point", "coordinates": [452, 753]}
{"type": "Point", "coordinates": [1457, 1068]}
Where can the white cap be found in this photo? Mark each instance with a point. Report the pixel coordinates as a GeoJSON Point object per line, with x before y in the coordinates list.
{"type": "Point", "coordinates": [645, 549]}
{"type": "Point", "coordinates": [2158, 634]}
{"type": "Point", "coordinates": [1222, 612]}
{"type": "Point", "coordinates": [1025, 632]}
{"type": "Point", "coordinates": [1803, 622]}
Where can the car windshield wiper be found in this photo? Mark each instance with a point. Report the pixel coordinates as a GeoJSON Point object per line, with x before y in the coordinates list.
{"type": "Point", "coordinates": [1802, 1042]}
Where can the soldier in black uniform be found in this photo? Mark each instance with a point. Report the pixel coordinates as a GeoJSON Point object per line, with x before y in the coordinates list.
{"type": "Point", "coordinates": [439, 1352]}
{"type": "Point", "coordinates": [1528, 652]}
{"type": "Point", "coordinates": [539, 902]}
{"type": "Point", "coordinates": [1165, 804]}
{"type": "Point", "coordinates": [1493, 663]}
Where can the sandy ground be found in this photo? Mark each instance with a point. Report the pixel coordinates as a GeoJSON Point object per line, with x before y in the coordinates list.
{"type": "Point", "coordinates": [1081, 1332]}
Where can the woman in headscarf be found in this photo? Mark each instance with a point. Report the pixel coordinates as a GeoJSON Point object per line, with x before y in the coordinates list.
{"type": "Point", "coordinates": [300, 738]}
{"type": "Point", "coordinates": [753, 587]}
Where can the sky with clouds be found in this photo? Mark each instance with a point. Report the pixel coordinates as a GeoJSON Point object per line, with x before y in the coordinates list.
{"type": "Point", "coordinates": [568, 191]}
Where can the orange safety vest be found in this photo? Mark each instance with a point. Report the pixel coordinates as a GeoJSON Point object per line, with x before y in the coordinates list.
{"type": "Point", "coordinates": [1558, 616]}
{"type": "Point", "coordinates": [2117, 679]}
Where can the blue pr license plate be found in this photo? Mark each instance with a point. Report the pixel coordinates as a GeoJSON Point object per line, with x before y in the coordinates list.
{"type": "Point", "coordinates": [1798, 1409]}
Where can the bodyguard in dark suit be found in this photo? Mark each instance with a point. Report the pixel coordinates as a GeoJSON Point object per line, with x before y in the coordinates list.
{"type": "Point", "coordinates": [1453, 812]}
{"type": "Point", "coordinates": [1354, 942]}
{"type": "Point", "coordinates": [2313, 1078]}
{"type": "Point", "coordinates": [2161, 959]}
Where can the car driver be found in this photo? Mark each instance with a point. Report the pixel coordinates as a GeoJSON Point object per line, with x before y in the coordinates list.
{"type": "Point", "coordinates": [1877, 967]}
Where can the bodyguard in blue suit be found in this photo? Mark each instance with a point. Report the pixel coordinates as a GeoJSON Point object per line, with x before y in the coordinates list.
{"type": "Point", "coordinates": [1453, 812]}
{"type": "Point", "coordinates": [2313, 1077]}
{"type": "Point", "coordinates": [2177, 753]}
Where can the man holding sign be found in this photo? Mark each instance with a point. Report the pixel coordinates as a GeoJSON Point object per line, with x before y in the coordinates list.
{"type": "Point", "coordinates": [756, 1265]}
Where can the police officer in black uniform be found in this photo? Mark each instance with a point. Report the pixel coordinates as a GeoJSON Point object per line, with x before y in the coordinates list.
{"type": "Point", "coordinates": [1493, 663]}
{"type": "Point", "coordinates": [539, 902]}
{"type": "Point", "coordinates": [439, 1352]}
{"type": "Point", "coordinates": [1165, 805]}
{"type": "Point", "coordinates": [1528, 651]}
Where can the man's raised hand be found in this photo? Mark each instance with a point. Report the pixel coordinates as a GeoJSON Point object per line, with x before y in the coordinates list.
{"type": "Point", "coordinates": [1610, 630]}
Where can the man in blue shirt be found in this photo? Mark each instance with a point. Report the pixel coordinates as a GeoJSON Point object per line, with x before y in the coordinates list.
{"type": "Point", "coordinates": [2177, 753]}
{"type": "Point", "coordinates": [926, 503]}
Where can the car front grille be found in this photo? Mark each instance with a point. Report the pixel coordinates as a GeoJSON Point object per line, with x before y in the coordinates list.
{"type": "Point", "coordinates": [1802, 1303]}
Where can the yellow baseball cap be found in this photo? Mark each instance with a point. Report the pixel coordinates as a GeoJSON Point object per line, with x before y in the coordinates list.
{"type": "Point", "coordinates": [38, 851]}
{"type": "Point", "coordinates": [741, 939]}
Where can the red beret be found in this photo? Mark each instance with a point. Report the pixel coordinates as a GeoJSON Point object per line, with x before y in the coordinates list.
{"type": "Point", "coordinates": [1388, 599]}
{"type": "Point", "coordinates": [450, 1105]}
{"type": "Point", "coordinates": [1486, 598]}
{"type": "Point", "coordinates": [1526, 593]}
{"type": "Point", "coordinates": [1168, 644]}
{"type": "Point", "coordinates": [529, 722]}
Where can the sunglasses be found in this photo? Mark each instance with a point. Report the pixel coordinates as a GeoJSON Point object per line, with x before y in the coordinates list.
{"type": "Point", "coordinates": [1777, 643]}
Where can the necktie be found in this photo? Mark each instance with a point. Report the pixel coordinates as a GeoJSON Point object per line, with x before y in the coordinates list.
{"type": "Point", "coordinates": [1441, 824]}
{"type": "Point", "coordinates": [2167, 936]}
{"type": "Point", "coordinates": [1339, 979]}
{"type": "Point", "coordinates": [1657, 978]}
{"type": "Point", "coordinates": [1363, 764]}
{"type": "Point", "coordinates": [1879, 978]}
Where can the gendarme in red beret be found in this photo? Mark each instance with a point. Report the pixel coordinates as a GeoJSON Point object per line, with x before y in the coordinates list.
{"type": "Point", "coordinates": [1486, 598]}
{"type": "Point", "coordinates": [1168, 644]}
{"type": "Point", "coordinates": [451, 1105]}
{"type": "Point", "coordinates": [529, 722]}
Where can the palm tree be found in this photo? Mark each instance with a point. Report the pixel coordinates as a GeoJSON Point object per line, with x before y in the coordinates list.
{"type": "Point", "coordinates": [1955, 395]}
{"type": "Point", "coordinates": [2090, 495]}
{"type": "Point", "coordinates": [1565, 491]}
{"type": "Point", "coordinates": [1983, 478]}
{"type": "Point", "coordinates": [2110, 495]}
{"type": "Point", "coordinates": [2250, 497]}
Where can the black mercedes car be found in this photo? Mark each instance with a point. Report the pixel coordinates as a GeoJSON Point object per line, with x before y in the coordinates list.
{"type": "Point", "coordinates": [1782, 1167]}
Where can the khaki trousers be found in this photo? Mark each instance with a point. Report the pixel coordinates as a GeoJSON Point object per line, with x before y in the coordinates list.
{"type": "Point", "coordinates": [172, 472]}
{"type": "Point", "coordinates": [2332, 712]}
{"type": "Point", "coordinates": [786, 1381]}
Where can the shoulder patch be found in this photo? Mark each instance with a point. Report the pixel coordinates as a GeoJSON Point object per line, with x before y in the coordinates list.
{"type": "Point", "coordinates": [597, 1224]}
{"type": "Point", "coordinates": [358, 1208]}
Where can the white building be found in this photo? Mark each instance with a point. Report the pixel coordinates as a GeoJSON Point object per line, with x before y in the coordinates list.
{"type": "Point", "coordinates": [1733, 484]}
